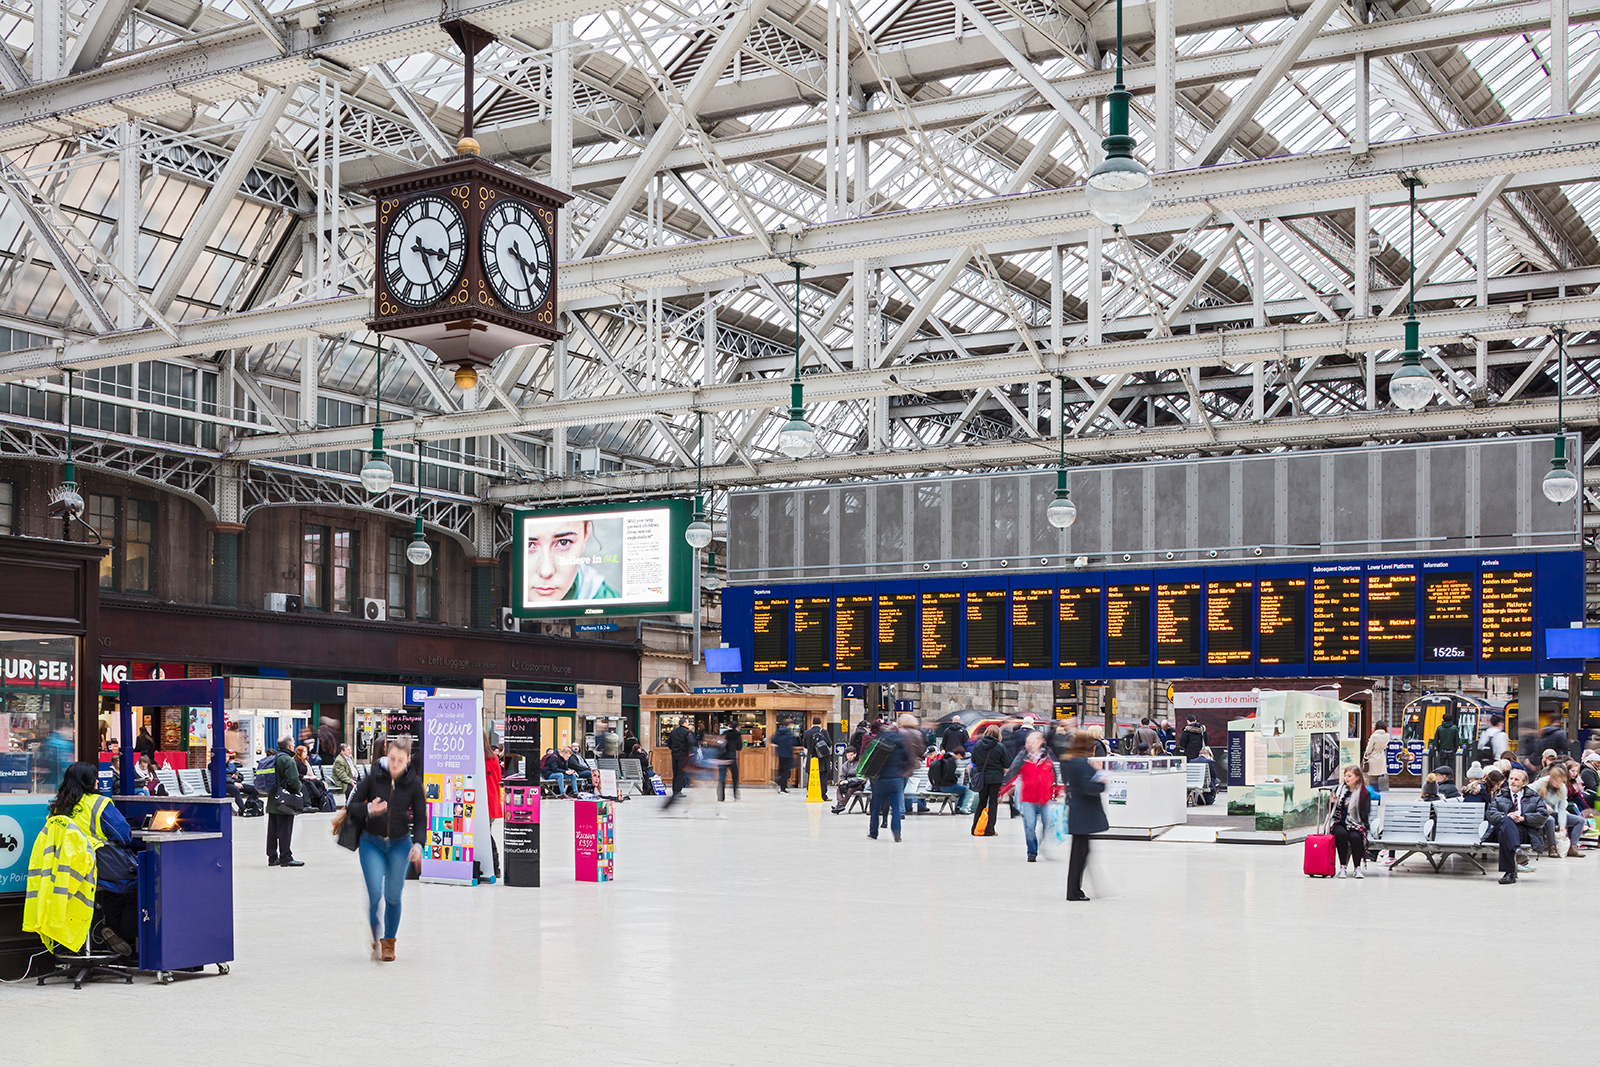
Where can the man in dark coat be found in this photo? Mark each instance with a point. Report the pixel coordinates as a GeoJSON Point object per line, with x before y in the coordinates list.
{"type": "Point", "coordinates": [819, 744]}
{"type": "Point", "coordinates": [955, 739]}
{"type": "Point", "coordinates": [1085, 815]}
{"type": "Point", "coordinates": [1516, 815]}
{"type": "Point", "coordinates": [280, 819]}
{"type": "Point", "coordinates": [732, 742]}
{"type": "Point", "coordinates": [1192, 740]}
{"type": "Point", "coordinates": [783, 743]}
{"type": "Point", "coordinates": [680, 742]}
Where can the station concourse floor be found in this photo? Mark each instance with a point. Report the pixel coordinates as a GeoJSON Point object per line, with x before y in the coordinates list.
{"type": "Point", "coordinates": [781, 935]}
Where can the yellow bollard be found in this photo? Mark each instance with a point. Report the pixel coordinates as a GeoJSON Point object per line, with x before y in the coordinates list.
{"type": "Point", "coordinates": [814, 783]}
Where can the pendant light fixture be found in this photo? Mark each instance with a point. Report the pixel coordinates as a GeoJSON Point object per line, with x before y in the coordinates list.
{"type": "Point", "coordinates": [1119, 190]}
{"type": "Point", "coordinates": [698, 532]}
{"type": "Point", "coordinates": [1560, 485]}
{"type": "Point", "coordinates": [419, 552]}
{"type": "Point", "coordinates": [798, 438]}
{"type": "Point", "coordinates": [376, 474]}
{"type": "Point", "coordinates": [1411, 387]}
{"type": "Point", "coordinates": [65, 500]}
{"type": "Point", "coordinates": [1062, 512]}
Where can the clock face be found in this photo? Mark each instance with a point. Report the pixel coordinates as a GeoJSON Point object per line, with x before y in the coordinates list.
{"type": "Point", "coordinates": [424, 251]}
{"type": "Point", "coordinates": [516, 255]}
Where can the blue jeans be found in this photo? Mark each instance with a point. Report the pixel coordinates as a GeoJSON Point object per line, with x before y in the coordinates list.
{"type": "Point", "coordinates": [383, 865]}
{"type": "Point", "coordinates": [958, 791]}
{"type": "Point", "coordinates": [888, 794]}
{"type": "Point", "coordinates": [563, 780]}
{"type": "Point", "coordinates": [1035, 823]}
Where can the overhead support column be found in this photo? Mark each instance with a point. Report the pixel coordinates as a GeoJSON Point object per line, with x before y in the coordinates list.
{"type": "Point", "coordinates": [1480, 372]}
{"type": "Point", "coordinates": [1058, 310]}
{"type": "Point", "coordinates": [1361, 86]}
{"type": "Point", "coordinates": [1258, 273]}
{"type": "Point", "coordinates": [483, 566]}
{"type": "Point", "coordinates": [225, 534]}
{"type": "Point", "coordinates": [836, 162]}
{"type": "Point", "coordinates": [1096, 285]}
{"type": "Point", "coordinates": [49, 45]}
{"type": "Point", "coordinates": [561, 179]}
{"type": "Point", "coordinates": [129, 212]}
{"type": "Point", "coordinates": [1166, 93]}
{"type": "Point", "coordinates": [1560, 85]}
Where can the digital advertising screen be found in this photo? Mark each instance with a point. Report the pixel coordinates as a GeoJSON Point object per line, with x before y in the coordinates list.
{"type": "Point", "coordinates": [607, 559]}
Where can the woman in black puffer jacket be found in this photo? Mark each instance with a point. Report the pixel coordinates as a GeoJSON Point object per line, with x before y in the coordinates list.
{"type": "Point", "coordinates": [988, 771]}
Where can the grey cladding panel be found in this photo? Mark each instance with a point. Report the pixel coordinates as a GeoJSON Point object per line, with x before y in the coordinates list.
{"type": "Point", "coordinates": [927, 519]}
{"type": "Point", "coordinates": [1047, 540]}
{"type": "Point", "coordinates": [1447, 501]}
{"type": "Point", "coordinates": [780, 533]}
{"type": "Point", "coordinates": [744, 531]}
{"type": "Point", "coordinates": [1259, 502]}
{"type": "Point", "coordinates": [1350, 497]}
{"type": "Point", "coordinates": [818, 526]}
{"type": "Point", "coordinates": [1088, 492]}
{"type": "Point", "coordinates": [1497, 494]}
{"type": "Point", "coordinates": [1127, 509]}
{"type": "Point", "coordinates": [1172, 504]}
{"type": "Point", "coordinates": [852, 526]}
{"type": "Point", "coordinates": [1305, 500]}
{"type": "Point", "coordinates": [1547, 517]}
{"type": "Point", "coordinates": [1399, 496]}
{"type": "Point", "coordinates": [888, 503]}
{"type": "Point", "coordinates": [1004, 517]}
{"type": "Point", "coordinates": [1213, 505]}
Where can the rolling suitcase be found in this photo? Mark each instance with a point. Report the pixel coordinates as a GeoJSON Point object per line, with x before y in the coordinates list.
{"type": "Point", "coordinates": [1319, 855]}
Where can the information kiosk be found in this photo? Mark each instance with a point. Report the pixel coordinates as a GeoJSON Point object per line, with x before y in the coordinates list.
{"type": "Point", "coordinates": [185, 873]}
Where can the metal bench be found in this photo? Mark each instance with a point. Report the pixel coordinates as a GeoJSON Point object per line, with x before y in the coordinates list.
{"type": "Point", "coordinates": [632, 772]}
{"type": "Point", "coordinates": [918, 787]}
{"type": "Point", "coordinates": [1405, 827]}
{"type": "Point", "coordinates": [169, 781]}
{"type": "Point", "coordinates": [193, 782]}
{"type": "Point", "coordinates": [1459, 830]}
{"type": "Point", "coordinates": [1199, 783]}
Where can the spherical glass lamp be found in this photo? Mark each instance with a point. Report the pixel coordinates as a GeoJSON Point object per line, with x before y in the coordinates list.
{"type": "Point", "coordinates": [1119, 190]}
{"type": "Point", "coordinates": [1560, 485]}
{"type": "Point", "coordinates": [797, 439]}
{"type": "Point", "coordinates": [1411, 387]}
{"type": "Point", "coordinates": [376, 475]}
{"type": "Point", "coordinates": [1062, 512]}
{"type": "Point", "coordinates": [419, 552]}
{"type": "Point", "coordinates": [698, 533]}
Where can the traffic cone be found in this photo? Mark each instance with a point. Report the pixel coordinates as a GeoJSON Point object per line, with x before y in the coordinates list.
{"type": "Point", "coordinates": [814, 783]}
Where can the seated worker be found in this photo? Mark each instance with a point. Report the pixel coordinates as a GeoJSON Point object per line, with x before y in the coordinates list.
{"type": "Point", "coordinates": [236, 787]}
{"type": "Point", "coordinates": [84, 832]}
{"type": "Point", "coordinates": [1516, 816]}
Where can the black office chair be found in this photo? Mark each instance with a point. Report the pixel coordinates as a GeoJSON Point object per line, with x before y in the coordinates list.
{"type": "Point", "coordinates": [87, 965]}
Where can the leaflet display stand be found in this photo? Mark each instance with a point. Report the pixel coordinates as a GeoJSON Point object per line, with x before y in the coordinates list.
{"type": "Point", "coordinates": [594, 840]}
{"type": "Point", "coordinates": [521, 833]}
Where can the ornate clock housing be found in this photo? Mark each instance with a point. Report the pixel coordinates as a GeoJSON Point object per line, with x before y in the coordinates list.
{"type": "Point", "coordinates": [466, 262]}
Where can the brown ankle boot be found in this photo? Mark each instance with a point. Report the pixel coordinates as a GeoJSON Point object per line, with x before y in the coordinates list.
{"type": "Point", "coordinates": [388, 949]}
{"type": "Point", "coordinates": [1573, 853]}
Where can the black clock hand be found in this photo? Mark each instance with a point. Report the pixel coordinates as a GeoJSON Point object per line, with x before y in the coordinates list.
{"type": "Point", "coordinates": [426, 252]}
{"type": "Point", "coordinates": [516, 254]}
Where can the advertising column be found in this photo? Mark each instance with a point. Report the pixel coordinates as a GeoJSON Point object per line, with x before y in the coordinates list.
{"type": "Point", "coordinates": [594, 839]}
{"type": "Point", "coordinates": [452, 782]}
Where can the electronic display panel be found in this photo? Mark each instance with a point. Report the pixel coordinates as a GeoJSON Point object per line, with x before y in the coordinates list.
{"type": "Point", "coordinates": [986, 629]}
{"type": "Point", "coordinates": [1448, 615]}
{"type": "Point", "coordinates": [1030, 628]}
{"type": "Point", "coordinates": [1078, 611]}
{"type": "Point", "coordinates": [1391, 614]}
{"type": "Point", "coordinates": [813, 634]}
{"type": "Point", "coordinates": [1178, 623]}
{"type": "Point", "coordinates": [603, 559]}
{"type": "Point", "coordinates": [1128, 625]}
{"type": "Point", "coordinates": [1228, 629]}
{"type": "Point", "coordinates": [941, 630]}
{"type": "Point", "coordinates": [852, 633]}
{"type": "Point", "coordinates": [1281, 622]}
{"type": "Point", "coordinates": [897, 631]}
{"type": "Point", "coordinates": [774, 618]}
{"type": "Point", "coordinates": [1507, 613]}
{"type": "Point", "coordinates": [1336, 615]}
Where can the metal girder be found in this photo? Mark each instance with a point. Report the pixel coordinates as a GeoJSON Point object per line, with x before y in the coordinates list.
{"type": "Point", "coordinates": [99, 26]}
{"type": "Point", "coordinates": [202, 228]}
{"type": "Point", "coordinates": [1244, 105]}
{"type": "Point", "coordinates": [1451, 242]}
{"type": "Point", "coordinates": [1220, 438]}
{"type": "Point", "coordinates": [431, 136]}
{"type": "Point", "coordinates": [234, 61]}
{"type": "Point", "coordinates": [27, 200]}
{"type": "Point", "coordinates": [1048, 217]}
{"type": "Point", "coordinates": [730, 38]}
{"type": "Point", "coordinates": [1224, 349]}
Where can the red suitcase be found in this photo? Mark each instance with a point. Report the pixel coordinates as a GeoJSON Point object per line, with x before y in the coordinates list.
{"type": "Point", "coordinates": [1319, 855]}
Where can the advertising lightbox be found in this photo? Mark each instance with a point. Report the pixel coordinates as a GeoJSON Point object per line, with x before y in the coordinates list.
{"type": "Point", "coordinates": [602, 559]}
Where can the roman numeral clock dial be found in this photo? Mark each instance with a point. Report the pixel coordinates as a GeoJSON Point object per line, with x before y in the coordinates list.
{"type": "Point", "coordinates": [424, 251]}
{"type": "Point", "coordinates": [516, 255]}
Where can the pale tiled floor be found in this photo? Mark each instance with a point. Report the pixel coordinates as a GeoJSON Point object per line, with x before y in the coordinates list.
{"type": "Point", "coordinates": [780, 935]}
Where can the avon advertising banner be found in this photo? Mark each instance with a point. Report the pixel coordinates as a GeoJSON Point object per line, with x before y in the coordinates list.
{"type": "Point", "coordinates": [593, 839]}
{"type": "Point", "coordinates": [452, 783]}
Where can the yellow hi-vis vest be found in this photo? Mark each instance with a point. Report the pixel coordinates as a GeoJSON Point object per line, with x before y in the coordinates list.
{"type": "Point", "coordinates": [87, 816]}
{"type": "Point", "coordinates": [59, 904]}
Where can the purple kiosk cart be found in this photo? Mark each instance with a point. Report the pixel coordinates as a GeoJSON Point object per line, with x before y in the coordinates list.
{"type": "Point", "coordinates": [185, 874]}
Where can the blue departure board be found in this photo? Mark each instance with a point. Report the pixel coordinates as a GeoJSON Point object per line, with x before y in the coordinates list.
{"type": "Point", "coordinates": [1377, 617]}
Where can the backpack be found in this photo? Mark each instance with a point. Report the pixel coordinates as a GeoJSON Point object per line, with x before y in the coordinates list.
{"type": "Point", "coordinates": [1485, 750]}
